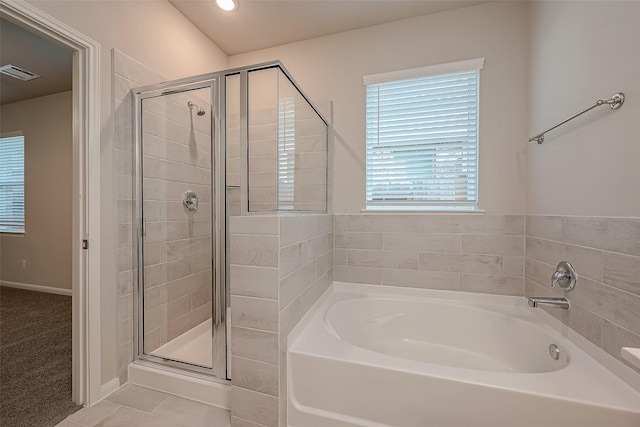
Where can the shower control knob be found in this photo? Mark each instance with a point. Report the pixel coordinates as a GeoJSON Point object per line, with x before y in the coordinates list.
{"type": "Point", "coordinates": [190, 200]}
{"type": "Point", "coordinates": [564, 276]}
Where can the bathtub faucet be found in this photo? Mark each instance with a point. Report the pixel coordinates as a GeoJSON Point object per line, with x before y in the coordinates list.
{"type": "Point", "coordinates": [557, 302]}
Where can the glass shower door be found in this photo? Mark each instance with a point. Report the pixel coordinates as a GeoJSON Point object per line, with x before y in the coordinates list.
{"type": "Point", "coordinates": [177, 294]}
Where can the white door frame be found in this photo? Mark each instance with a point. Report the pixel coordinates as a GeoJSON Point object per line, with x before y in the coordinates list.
{"type": "Point", "coordinates": [86, 376]}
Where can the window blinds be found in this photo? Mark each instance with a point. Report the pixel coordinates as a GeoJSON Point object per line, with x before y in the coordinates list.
{"type": "Point", "coordinates": [12, 184]}
{"type": "Point", "coordinates": [422, 141]}
{"type": "Point", "coordinates": [286, 153]}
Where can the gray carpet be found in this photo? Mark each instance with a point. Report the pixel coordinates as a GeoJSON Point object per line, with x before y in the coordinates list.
{"type": "Point", "coordinates": [35, 358]}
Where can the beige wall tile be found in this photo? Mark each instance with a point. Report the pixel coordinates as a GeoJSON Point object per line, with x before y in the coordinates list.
{"type": "Point", "coordinates": [339, 257]}
{"type": "Point", "coordinates": [294, 229]}
{"type": "Point", "coordinates": [608, 302]}
{"type": "Point", "coordinates": [241, 422]}
{"type": "Point", "coordinates": [256, 376]}
{"type": "Point", "coordinates": [384, 259]}
{"type": "Point", "coordinates": [254, 406]}
{"type": "Point", "coordinates": [264, 225]}
{"type": "Point", "coordinates": [492, 284]}
{"type": "Point", "coordinates": [545, 227]}
{"type": "Point", "coordinates": [465, 224]}
{"type": "Point", "coordinates": [254, 250]}
{"type": "Point", "coordinates": [612, 234]}
{"type": "Point", "coordinates": [253, 344]}
{"type": "Point", "coordinates": [463, 263]}
{"type": "Point", "coordinates": [294, 284]}
{"type": "Point", "coordinates": [290, 259]}
{"type": "Point", "coordinates": [255, 313]}
{"type": "Point", "coordinates": [251, 281]}
{"type": "Point", "coordinates": [514, 224]}
{"type": "Point", "coordinates": [315, 247]}
{"type": "Point", "coordinates": [615, 337]}
{"type": "Point", "coordinates": [358, 240]}
{"type": "Point", "coordinates": [513, 266]}
{"type": "Point", "coordinates": [421, 242]}
{"type": "Point", "coordinates": [421, 279]}
{"type": "Point", "coordinates": [396, 223]}
{"type": "Point", "coordinates": [622, 272]}
{"type": "Point", "coordinates": [498, 245]}
{"type": "Point", "coordinates": [371, 276]}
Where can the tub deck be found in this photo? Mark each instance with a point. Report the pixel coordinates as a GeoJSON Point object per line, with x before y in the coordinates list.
{"type": "Point", "coordinates": [337, 378]}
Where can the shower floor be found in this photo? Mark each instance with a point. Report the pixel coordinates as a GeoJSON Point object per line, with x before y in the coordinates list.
{"type": "Point", "coordinates": [194, 346]}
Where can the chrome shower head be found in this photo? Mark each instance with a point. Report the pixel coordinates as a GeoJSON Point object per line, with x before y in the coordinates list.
{"type": "Point", "coordinates": [199, 110]}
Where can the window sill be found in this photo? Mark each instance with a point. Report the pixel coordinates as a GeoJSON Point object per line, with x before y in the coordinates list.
{"type": "Point", "coordinates": [421, 210]}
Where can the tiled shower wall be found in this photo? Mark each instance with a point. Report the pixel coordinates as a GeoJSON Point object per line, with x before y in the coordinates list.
{"type": "Point", "coordinates": [465, 252]}
{"type": "Point", "coordinates": [280, 266]}
{"type": "Point", "coordinates": [127, 74]}
{"type": "Point", "coordinates": [605, 304]}
{"type": "Point", "coordinates": [178, 246]}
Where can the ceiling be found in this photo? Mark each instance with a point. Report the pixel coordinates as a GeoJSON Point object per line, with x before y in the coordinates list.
{"type": "Point", "coordinates": [36, 54]}
{"type": "Point", "coordinates": [260, 24]}
{"type": "Point", "coordinates": [256, 24]}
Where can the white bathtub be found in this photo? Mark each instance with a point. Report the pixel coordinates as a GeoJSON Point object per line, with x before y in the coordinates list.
{"type": "Point", "coordinates": [382, 356]}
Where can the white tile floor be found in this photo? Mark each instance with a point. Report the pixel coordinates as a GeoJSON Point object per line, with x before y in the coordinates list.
{"type": "Point", "coordinates": [134, 406]}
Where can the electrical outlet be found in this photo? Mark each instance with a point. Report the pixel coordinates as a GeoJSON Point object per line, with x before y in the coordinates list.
{"type": "Point", "coordinates": [24, 263]}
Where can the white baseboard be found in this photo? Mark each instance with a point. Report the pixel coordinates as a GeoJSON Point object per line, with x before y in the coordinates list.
{"type": "Point", "coordinates": [109, 387]}
{"type": "Point", "coordinates": [36, 288]}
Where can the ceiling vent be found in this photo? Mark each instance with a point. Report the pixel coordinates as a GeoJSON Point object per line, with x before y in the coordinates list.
{"type": "Point", "coordinates": [18, 73]}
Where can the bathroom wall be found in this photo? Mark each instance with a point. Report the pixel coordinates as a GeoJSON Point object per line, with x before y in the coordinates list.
{"type": "Point", "coordinates": [332, 68]}
{"type": "Point", "coordinates": [138, 29]}
{"type": "Point", "coordinates": [470, 253]}
{"type": "Point", "coordinates": [127, 74]}
{"type": "Point", "coordinates": [280, 266]}
{"type": "Point", "coordinates": [46, 124]}
{"type": "Point", "coordinates": [584, 203]}
{"type": "Point", "coordinates": [605, 304]}
{"type": "Point", "coordinates": [589, 166]}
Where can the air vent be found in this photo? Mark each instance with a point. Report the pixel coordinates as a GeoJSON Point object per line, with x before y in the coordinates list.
{"type": "Point", "coordinates": [18, 73]}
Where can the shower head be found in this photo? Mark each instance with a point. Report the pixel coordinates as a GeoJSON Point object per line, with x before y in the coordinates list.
{"type": "Point", "coordinates": [199, 110]}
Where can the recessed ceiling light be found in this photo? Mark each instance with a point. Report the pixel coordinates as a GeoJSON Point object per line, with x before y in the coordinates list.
{"type": "Point", "coordinates": [228, 5]}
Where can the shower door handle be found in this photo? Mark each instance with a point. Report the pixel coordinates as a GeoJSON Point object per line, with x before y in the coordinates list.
{"type": "Point", "coordinates": [143, 227]}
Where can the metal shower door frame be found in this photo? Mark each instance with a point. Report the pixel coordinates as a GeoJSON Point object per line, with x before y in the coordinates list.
{"type": "Point", "coordinates": [218, 224]}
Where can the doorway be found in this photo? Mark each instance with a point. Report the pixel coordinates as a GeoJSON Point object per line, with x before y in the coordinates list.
{"type": "Point", "coordinates": [85, 264]}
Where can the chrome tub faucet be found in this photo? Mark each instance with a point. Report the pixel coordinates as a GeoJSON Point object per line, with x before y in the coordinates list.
{"type": "Point", "coordinates": [565, 277]}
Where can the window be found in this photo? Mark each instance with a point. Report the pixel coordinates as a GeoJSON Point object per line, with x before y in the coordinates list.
{"type": "Point", "coordinates": [422, 137]}
{"type": "Point", "coordinates": [286, 152]}
{"type": "Point", "coordinates": [12, 184]}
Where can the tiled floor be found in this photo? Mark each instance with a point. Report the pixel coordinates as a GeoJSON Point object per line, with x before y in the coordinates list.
{"type": "Point", "coordinates": [134, 406]}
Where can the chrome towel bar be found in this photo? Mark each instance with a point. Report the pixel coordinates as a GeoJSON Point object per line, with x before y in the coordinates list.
{"type": "Point", "coordinates": [614, 102]}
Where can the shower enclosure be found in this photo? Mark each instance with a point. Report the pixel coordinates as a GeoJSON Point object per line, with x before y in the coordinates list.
{"type": "Point", "coordinates": [237, 142]}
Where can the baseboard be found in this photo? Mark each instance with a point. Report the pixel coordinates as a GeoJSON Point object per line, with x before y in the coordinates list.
{"type": "Point", "coordinates": [109, 387]}
{"type": "Point", "coordinates": [36, 288]}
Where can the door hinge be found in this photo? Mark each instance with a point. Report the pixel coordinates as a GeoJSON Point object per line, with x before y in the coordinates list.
{"type": "Point", "coordinates": [85, 244]}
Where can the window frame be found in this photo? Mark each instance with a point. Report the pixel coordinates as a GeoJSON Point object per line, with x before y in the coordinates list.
{"type": "Point", "coordinates": [470, 65]}
{"type": "Point", "coordinates": [22, 230]}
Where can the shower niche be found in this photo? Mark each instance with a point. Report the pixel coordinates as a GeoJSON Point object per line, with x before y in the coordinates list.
{"type": "Point", "coordinates": [238, 142]}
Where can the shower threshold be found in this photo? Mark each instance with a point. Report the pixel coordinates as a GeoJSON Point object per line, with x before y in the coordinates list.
{"type": "Point", "coordinates": [193, 346]}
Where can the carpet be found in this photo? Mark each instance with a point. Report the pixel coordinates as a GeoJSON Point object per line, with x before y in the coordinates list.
{"type": "Point", "coordinates": [35, 358]}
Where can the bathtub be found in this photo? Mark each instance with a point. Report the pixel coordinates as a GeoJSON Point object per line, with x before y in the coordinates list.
{"type": "Point", "coordinates": [385, 356]}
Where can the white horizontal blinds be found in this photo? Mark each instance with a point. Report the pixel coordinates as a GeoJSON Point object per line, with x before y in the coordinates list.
{"type": "Point", "coordinates": [12, 184]}
{"type": "Point", "coordinates": [286, 152]}
{"type": "Point", "coordinates": [422, 141]}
